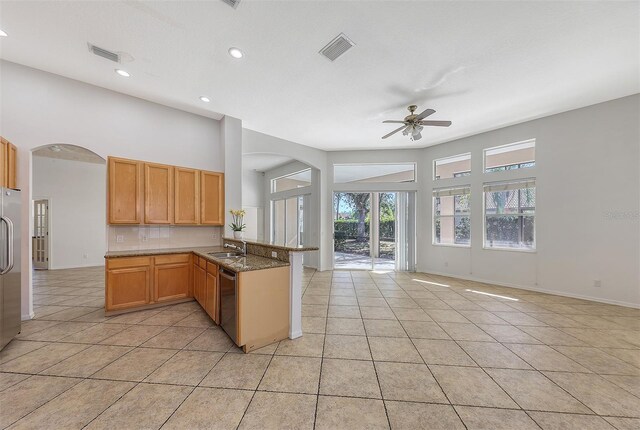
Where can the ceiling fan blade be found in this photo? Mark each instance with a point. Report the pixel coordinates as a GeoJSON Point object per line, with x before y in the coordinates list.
{"type": "Point", "coordinates": [425, 113]}
{"type": "Point", "coordinates": [393, 132]}
{"type": "Point", "coordinates": [436, 123]}
{"type": "Point", "coordinates": [389, 121]}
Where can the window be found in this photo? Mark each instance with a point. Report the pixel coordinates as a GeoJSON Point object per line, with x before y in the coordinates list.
{"type": "Point", "coordinates": [374, 173]}
{"type": "Point", "coordinates": [292, 181]}
{"type": "Point", "coordinates": [509, 157]}
{"type": "Point", "coordinates": [452, 216]}
{"type": "Point", "coordinates": [510, 215]}
{"type": "Point", "coordinates": [452, 167]}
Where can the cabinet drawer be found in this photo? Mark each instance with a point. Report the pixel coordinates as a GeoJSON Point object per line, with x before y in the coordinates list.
{"type": "Point", "coordinates": [119, 263]}
{"type": "Point", "coordinates": [172, 258]}
{"type": "Point", "coordinates": [212, 268]}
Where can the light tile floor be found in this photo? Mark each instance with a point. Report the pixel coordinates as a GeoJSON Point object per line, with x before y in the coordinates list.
{"type": "Point", "coordinates": [396, 350]}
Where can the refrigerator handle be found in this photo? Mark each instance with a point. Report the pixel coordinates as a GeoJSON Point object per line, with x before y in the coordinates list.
{"type": "Point", "coordinates": [9, 224]}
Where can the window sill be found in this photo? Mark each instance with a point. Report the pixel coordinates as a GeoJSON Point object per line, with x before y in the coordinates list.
{"type": "Point", "coordinates": [451, 245]}
{"type": "Point", "coordinates": [525, 250]}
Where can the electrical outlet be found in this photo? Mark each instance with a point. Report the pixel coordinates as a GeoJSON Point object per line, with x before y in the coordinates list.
{"type": "Point", "coordinates": [119, 238]}
{"type": "Point", "coordinates": [597, 283]}
{"type": "Point", "coordinates": [274, 254]}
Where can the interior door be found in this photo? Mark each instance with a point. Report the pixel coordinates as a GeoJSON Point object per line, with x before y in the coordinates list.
{"type": "Point", "coordinates": [40, 235]}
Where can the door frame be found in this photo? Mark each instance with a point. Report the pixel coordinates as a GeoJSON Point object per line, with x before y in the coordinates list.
{"type": "Point", "coordinates": [410, 227]}
{"type": "Point", "coordinates": [47, 263]}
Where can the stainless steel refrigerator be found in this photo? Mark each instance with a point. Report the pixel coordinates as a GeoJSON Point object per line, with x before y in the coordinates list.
{"type": "Point", "coordinates": [9, 265]}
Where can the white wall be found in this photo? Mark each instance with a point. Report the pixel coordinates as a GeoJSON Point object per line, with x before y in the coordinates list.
{"type": "Point", "coordinates": [77, 210]}
{"type": "Point", "coordinates": [39, 108]}
{"type": "Point", "coordinates": [587, 209]}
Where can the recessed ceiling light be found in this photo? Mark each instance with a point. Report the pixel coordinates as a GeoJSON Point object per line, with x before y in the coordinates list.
{"type": "Point", "coordinates": [236, 53]}
{"type": "Point", "coordinates": [122, 73]}
{"type": "Point", "coordinates": [205, 99]}
{"type": "Point", "coordinates": [3, 34]}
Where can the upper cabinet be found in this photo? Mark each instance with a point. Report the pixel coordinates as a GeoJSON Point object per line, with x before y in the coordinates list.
{"type": "Point", "coordinates": [125, 191]}
{"type": "Point", "coordinates": [187, 196]}
{"type": "Point", "coordinates": [148, 193]}
{"type": "Point", "coordinates": [8, 164]}
{"type": "Point", "coordinates": [211, 198]}
{"type": "Point", "coordinates": [158, 194]}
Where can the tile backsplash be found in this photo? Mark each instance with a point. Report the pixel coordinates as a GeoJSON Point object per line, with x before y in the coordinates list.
{"type": "Point", "coordinates": [126, 238]}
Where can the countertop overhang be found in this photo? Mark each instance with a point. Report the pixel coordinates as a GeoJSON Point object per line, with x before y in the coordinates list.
{"type": "Point", "coordinates": [239, 264]}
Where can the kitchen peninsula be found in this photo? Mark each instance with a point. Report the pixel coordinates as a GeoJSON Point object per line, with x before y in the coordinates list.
{"type": "Point", "coordinates": [255, 295]}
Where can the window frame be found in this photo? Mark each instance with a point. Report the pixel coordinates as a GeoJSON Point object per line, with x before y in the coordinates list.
{"type": "Point", "coordinates": [436, 217]}
{"type": "Point", "coordinates": [531, 250]}
{"type": "Point", "coordinates": [484, 158]}
{"type": "Point", "coordinates": [436, 177]}
{"type": "Point", "coordinates": [272, 185]}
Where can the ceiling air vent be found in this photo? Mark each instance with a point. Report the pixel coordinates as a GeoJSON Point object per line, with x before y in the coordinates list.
{"type": "Point", "coordinates": [337, 47]}
{"type": "Point", "coordinates": [100, 52]}
{"type": "Point", "coordinates": [233, 3]}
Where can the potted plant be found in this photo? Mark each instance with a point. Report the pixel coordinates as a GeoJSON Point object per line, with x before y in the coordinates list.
{"type": "Point", "coordinates": [237, 225]}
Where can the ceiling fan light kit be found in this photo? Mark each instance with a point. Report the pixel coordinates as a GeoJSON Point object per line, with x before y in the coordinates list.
{"type": "Point", "coordinates": [412, 124]}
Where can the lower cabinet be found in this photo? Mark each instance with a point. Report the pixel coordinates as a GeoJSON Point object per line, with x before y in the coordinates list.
{"type": "Point", "coordinates": [128, 283]}
{"type": "Point", "coordinates": [172, 277]}
{"type": "Point", "coordinates": [211, 297]}
{"type": "Point", "coordinates": [199, 281]}
{"type": "Point", "coordinates": [133, 282]}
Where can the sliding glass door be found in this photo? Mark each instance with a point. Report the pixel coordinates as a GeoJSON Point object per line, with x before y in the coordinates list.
{"type": "Point", "coordinates": [373, 230]}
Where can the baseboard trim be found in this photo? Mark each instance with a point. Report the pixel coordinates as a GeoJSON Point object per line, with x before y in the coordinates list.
{"type": "Point", "coordinates": [27, 317]}
{"type": "Point", "coordinates": [540, 290]}
{"type": "Point", "coordinates": [295, 335]}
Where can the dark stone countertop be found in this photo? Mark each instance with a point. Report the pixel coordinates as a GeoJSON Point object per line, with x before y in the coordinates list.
{"type": "Point", "coordinates": [241, 264]}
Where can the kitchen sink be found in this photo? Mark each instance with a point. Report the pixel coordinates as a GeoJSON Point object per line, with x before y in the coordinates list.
{"type": "Point", "coordinates": [226, 254]}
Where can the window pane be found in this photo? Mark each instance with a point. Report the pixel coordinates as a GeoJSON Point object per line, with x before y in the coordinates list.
{"type": "Point", "coordinates": [452, 167]}
{"type": "Point", "coordinates": [374, 173]}
{"type": "Point", "coordinates": [292, 181]}
{"type": "Point", "coordinates": [509, 157]}
{"type": "Point", "coordinates": [463, 230]}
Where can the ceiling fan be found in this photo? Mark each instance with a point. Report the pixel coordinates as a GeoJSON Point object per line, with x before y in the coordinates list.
{"type": "Point", "coordinates": [412, 124]}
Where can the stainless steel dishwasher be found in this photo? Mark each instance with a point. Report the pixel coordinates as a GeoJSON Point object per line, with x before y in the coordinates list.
{"type": "Point", "coordinates": [228, 303]}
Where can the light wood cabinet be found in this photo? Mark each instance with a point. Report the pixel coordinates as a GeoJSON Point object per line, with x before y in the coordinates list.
{"type": "Point", "coordinates": [8, 164]}
{"type": "Point", "coordinates": [199, 283]}
{"type": "Point", "coordinates": [211, 298]}
{"type": "Point", "coordinates": [211, 198]}
{"type": "Point", "coordinates": [128, 283]}
{"type": "Point", "coordinates": [187, 196]}
{"type": "Point", "coordinates": [124, 191]}
{"type": "Point", "coordinates": [171, 277]}
{"type": "Point", "coordinates": [158, 194]}
{"type": "Point", "coordinates": [149, 193]}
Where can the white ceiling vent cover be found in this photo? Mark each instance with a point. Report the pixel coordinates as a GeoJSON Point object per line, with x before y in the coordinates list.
{"type": "Point", "coordinates": [233, 3]}
{"type": "Point", "coordinates": [101, 52]}
{"type": "Point", "coordinates": [337, 47]}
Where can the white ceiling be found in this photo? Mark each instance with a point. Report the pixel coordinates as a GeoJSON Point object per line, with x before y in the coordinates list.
{"type": "Point", "coordinates": [480, 64]}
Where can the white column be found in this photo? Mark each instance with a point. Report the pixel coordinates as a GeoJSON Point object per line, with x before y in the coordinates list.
{"type": "Point", "coordinates": [295, 296]}
{"type": "Point", "coordinates": [231, 136]}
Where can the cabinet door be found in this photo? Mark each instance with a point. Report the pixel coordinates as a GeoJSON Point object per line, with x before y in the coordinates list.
{"type": "Point", "coordinates": [4, 167]}
{"type": "Point", "coordinates": [211, 198]}
{"type": "Point", "coordinates": [125, 191]}
{"type": "Point", "coordinates": [199, 287]}
{"type": "Point", "coordinates": [187, 196]}
{"type": "Point", "coordinates": [128, 284]}
{"type": "Point", "coordinates": [172, 277]}
{"type": "Point", "coordinates": [12, 170]}
{"type": "Point", "coordinates": [158, 194]}
{"type": "Point", "coordinates": [211, 292]}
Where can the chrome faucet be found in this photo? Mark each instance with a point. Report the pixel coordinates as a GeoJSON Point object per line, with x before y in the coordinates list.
{"type": "Point", "coordinates": [242, 249]}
